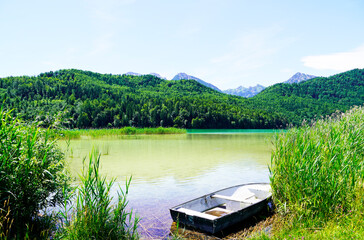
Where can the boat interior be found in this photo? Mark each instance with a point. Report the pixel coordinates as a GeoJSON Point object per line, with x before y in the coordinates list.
{"type": "Point", "coordinates": [226, 201]}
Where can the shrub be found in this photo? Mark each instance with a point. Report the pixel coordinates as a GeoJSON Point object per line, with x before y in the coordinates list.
{"type": "Point", "coordinates": [129, 130]}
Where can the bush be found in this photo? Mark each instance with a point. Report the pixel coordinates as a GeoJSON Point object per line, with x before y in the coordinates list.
{"type": "Point", "coordinates": [32, 173]}
{"type": "Point", "coordinates": [128, 130]}
{"type": "Point", "coordinates": [318, 170]}
{"type": "Point", "coordinates": [93, 216]}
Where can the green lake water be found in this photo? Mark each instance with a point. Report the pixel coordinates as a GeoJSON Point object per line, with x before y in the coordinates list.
{"type": "Point", "coordinates": [167, 170]}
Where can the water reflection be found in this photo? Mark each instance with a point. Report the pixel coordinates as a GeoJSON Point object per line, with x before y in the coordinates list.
{"type": "Point", "coordinates": [170, 169]}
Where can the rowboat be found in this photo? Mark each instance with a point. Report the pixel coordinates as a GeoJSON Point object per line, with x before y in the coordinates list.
{"type": "Point", "coordinates": [222, 209]}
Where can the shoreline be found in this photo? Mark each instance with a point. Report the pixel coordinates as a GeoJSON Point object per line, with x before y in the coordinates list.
{"type": "Point", "coordinates": [97, 133]}
{"type": "Point", "coordinates": [130, 131]}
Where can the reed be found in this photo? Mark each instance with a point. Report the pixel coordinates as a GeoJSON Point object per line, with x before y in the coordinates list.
{"type": "Point", "coordinates": [94, 216]}
{"type": "Point", "coordinates": [317, 170]}
{"type": "Point", "coordinates": [32, 175]}
{"type": "Point", "coordinates": [5, 221]}
{"type": "Point", "coordinates": [95, 133]}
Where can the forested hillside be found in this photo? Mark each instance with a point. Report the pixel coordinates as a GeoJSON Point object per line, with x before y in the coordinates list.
{"type": "Point", "coordinates": [313, 98]}
{"type": "Point", "coordinates": [82, 99]}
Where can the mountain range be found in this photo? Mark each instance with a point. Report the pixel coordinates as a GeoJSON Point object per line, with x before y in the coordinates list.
{"type": "Point", "coordinates": [252, 91]}
{"type": "Point", "coordinates": [239, 91]}
{"type": "Point", "coordinates": [245, 92]}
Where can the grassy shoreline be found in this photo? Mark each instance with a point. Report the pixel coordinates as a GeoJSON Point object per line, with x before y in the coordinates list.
{"type": "Point", "coordinates": [317, 178]}
{"type": "Point", "coordinates": [95, 133]}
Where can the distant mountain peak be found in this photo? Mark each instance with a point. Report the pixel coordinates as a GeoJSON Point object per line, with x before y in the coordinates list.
{"type": "Point", "coordinates": [139, 74]}
{"type": "Point", "coordinates": [245, 92]}
{"type": "Point", "coordinates": [181, 76]}
{"type": "Point", "coordinates": [299, 77]}
{"type": "Point", "coordinates": [133, 74]}
{"type": "Point", "coordinates": [157, 75]}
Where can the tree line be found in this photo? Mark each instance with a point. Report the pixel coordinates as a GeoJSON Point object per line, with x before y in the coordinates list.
{"type": "Point", "coordinates": [83, 99]}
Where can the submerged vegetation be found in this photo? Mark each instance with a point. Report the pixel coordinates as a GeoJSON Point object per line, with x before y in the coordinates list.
{"type": "Point", "coordinates": [317, 177]}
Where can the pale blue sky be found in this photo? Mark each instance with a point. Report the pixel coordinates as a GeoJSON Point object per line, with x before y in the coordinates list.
{"type": "Point", "coordinates": [225, 42]}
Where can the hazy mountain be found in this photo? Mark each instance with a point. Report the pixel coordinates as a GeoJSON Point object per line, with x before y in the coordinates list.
{"type": "Point", "coordinates": [139, 74]}
{"type": "Point", "coordinates": [239, 91]}
{"type": "Point", "coordinates": [157, 75]}
{"type": "Point", "coordinates": [252, 91]}
{"type": "Point", "coordinates": [179, 76]}
{"type": "Point", "coordinates": [133, 74]}
{"type": "Point", "coordinates": [185, 76]}
{"type": "Point", "coordinates": [245, 92]}
{"type": "Point", "coordinates": [299, 77]}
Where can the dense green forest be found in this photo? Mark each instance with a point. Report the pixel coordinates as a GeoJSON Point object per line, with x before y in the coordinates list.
{"type": "Point", "coordinates": [313, 98]}
{"type": "Point", "coordinates": [83, 99]}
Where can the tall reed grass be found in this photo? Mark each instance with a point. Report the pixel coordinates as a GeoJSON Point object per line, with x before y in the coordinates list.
{"type": "Point", "coordinates": [32, 175]}
{"type": "Point", "coordinates": [5, 221]}
{"type": "Point", "coordinates": [317, 170]}
{"type": "Point", "coordinates": [94, 216]}
{"type": "Point", "coordinates": [94, 133]}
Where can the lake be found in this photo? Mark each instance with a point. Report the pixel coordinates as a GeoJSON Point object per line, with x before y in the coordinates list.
{"type": "Point", "coordinates": [167, 170]}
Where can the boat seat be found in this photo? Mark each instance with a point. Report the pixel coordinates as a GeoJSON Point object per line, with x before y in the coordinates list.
{"type": "Point", "coordinates": [196, 213]}
{"type": "Point", "coordinates": [249, 200]}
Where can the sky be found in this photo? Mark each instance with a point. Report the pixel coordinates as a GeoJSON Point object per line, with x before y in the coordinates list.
{"type": "Point", "coordinates": [228, 43]}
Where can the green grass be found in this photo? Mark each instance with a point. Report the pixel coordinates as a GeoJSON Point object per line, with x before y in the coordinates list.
{"type": "Point", "coordinates": [345, 226]}
{"type": "Point", "coordinates": [94, 133]}
{"type": "Point", "coordinates": [317, 174]}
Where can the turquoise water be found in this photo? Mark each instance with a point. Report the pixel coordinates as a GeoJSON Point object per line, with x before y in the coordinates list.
{"type": "Point", "coordinates": [232, 131]}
